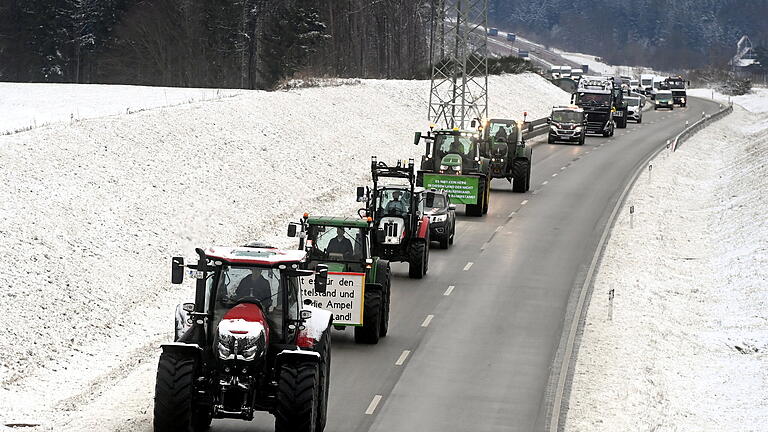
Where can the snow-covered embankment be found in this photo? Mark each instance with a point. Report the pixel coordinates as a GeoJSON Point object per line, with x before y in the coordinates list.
{"type": "Point", "coordinates": [91, 212]}
{"type": "Point", "coordinates": [684, 344]}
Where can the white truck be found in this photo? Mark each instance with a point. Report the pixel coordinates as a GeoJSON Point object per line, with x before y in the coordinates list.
{"type": "Point", "coordinates": [646, 83]}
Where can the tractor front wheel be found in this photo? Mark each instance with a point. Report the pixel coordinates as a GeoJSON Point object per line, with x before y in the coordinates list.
{"type": "Point", "coordinates": [174, 393]}
{"type": "Point", "coordinates": [298, 397]}
{"type": "Point", "coordinates": [324, 372]}
{"type": "Point", "coordinates": [521, 173]}
{"type": "Point", "coordinates": [386, 284]}
{"type": "Point", "coordinates": [370, 331]}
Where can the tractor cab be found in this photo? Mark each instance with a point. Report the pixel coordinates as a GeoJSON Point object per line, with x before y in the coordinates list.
{"type": "Point", "coordinates": [341, 243]}
{"type": "Point", "coordinates": [452, 152]}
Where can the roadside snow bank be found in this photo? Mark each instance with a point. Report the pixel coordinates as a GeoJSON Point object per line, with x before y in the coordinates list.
{"type": "Point", "coordinates": [756, 101]}
{"type": "Point", "coordinates": [92, 211]}
{"type": "Point", "coordinates": [684, 346]}
{"type": "Point", "coordinates": [30, 105]}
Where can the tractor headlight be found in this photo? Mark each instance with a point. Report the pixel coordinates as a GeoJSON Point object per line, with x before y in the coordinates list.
{"type": "Point", "coordinates": [438, 218]}
{"type": "Point", "coordinates": [251, 347]}
{"type": "Point", "coordinates": [226, 343]}
{"type": "Point", "coordinates": [443, 167]}
{"type": "Point", "coordinates": [456, 168]}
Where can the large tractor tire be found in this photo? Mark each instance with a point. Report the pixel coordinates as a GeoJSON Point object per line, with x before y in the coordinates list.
{"type": "Point", "coordinates": [417, 265]}
{"type": "Point", "coordinates": [370, 331]}
{"type": "Point", "coordinates": [384, 275]}
{"type": "Point", "coordinates": [298, 397]}
{"type": "Point", "coordinates": [521, 175]}
{"type": "Point", "coordinates": [174, 393]}
{"type": "Point", "coordinates": [622, 123]}
{"type": "Point", "coordinates": [324, 371]}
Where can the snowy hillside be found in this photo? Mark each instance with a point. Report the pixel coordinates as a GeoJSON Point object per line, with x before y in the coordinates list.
{"type": "Point", "coordinates": [30, 105]}
{"type": "Point", "coordinates": [93, 210]}
{"type": "Point", "coordinates": [683, 345]}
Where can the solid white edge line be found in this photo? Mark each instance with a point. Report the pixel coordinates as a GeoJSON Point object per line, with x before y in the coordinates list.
{"type": "Point", "coordinates": [565, 364]}
{"type": "Point", "coordinates": [374, 403]}
{"type": "Point", "coordinates": [468, 266]}
{"type": "Point", "coordinates": [449, 290]}
{"type": "Point", "coordinates": [402, 358]}
{"type": "Point", "coordinates": [427, 320]}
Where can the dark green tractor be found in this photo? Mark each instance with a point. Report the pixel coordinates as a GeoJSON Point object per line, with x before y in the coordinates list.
{"type": "Point", "coordinates": [453, 162]}
{"type": "Point", "coordinates": [358, 289]}
{"type": "Point", "coordinates": [503, 144]}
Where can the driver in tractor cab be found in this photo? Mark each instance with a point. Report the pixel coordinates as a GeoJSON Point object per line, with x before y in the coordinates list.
{"type": "Point", "coordinates": [456, 146]}
{"type": "Point", "coordinates": [257, 286]}
{"type": "Point", "coordinates": [340, 244]}
{"type": "Point", "coordinates": [501, 134]}
{"type": "Point", "coordinates": [396, 206]}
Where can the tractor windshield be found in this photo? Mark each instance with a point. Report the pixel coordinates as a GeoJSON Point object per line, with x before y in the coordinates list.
{"type": "Point", "coordinates": [502, 131]}
{"type": "Point", "coordinates": [255, 284]}
{"type": "Point", "coordinates": [456, 144]}
{"type": "Point", "coordinates": [393, 202]}
{"type": "Point", "coordinates": [329, 243]}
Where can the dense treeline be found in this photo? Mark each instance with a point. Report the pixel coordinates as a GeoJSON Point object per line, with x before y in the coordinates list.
{"type": "Point", "coordinates": [220, 43]}
{"type": "Point", "coordinates": [666, 34]}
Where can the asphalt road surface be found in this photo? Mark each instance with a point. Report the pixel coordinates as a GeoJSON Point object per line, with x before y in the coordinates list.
{"type": "Point", "coordinates": [471, 347]}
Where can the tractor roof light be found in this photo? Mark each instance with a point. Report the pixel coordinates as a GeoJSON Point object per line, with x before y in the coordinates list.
{"type": "Point", "coordinates": [306, 215]}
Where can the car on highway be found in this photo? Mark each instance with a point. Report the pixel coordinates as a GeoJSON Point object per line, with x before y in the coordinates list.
{"type": "Point", "coordinates": [634, 109]}
{"type": "Point", "coordinates": [567, 123]}
{"type": "Point", "coordinates": [664, 100]}
{"type": "Point", "coordinates": [442, 216]}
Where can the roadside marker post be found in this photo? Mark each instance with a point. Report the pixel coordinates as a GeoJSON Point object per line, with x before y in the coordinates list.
{"type": "Point", "coordinates": [610, 304]}
{"type": "Point", "coordinates": [632, 217]}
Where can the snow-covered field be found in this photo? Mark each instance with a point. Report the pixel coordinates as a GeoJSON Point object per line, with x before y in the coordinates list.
{"type": "Point", "coordinates": [684, 344]}
{"type": "Point", "coordinates": [754, 101]}
{"type": "Point", "coordinates": [92, 211]}
{"type": "Point", "coordinates": [30, 105]}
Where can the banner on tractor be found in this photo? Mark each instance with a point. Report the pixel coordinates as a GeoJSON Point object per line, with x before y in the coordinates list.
{"type": "Point", "coordinates": [462, 189]}
{"type": "Point", "coordinates": [343, 297]}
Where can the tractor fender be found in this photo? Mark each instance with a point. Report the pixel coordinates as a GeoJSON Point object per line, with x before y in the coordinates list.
{"type": "Point", "coordinates": [423, 231]}
{"type": "Point", "coordinates": [320, 321]}
{"type": "Point", "coordinates": [182, 349]}
{"type": "Point", "coordinates": [374, 286]}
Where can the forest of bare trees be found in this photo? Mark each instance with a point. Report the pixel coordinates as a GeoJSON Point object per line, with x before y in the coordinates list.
{"type": "Point", "coordinates": [210, 43]}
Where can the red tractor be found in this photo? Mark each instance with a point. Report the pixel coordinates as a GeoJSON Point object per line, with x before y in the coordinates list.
{"type": "Point", "coordinates": [402, 228]}
{"type": "Point", "coordinates": [248, 343]}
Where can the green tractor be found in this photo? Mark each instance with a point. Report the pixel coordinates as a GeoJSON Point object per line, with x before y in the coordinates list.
{"type": "Point", "coordinates": [358, 288]}
{"type": "Point", "coordinates": [453, 162]}
{"type": "Point", "coordinates": [502, 142]}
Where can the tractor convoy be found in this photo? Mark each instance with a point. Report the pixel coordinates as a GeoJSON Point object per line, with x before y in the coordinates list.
{"type": "Point", "coordinates": [257, 336]}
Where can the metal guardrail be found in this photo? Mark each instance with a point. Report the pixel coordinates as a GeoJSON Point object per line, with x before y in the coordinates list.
{"type": "Point", "coordinates": [535, 128]}
{"type": "Point", "coordinates": [705, 120]}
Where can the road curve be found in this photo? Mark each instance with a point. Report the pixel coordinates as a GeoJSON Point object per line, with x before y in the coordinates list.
{"type": "Point", "coordinates": [472, 346]}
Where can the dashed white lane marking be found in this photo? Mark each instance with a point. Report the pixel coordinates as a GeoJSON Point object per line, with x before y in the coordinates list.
{"type": "Point", "coordinates": [499, 228]}
{"type": "Point", "coordinates": [485, 245]}
{"type": "Point", "coordinates": [468, 266]}
{"type": "Point", "coordinates": [554, 175]}
{"type": "Point", "coordinates": [402, 358]}
{"type": "Point", "coordinates": [545, 182]}
{"type": "Point", "coordinates": [373, 405]}
{"type": "Point", "coordinates": [588, 152]}
{"type": "Point", "coordinates": [427, 320]}
{"type": "Point", "coordinates": [449, 290]}
{"type": "Point", "coordinates": [536, 192]}
{"type": "Point", "coordinates": [562, 168]}
{"type": "Point", "coordinates": [524, 202]}
{"type": "Point", "coordinates": [512, 214]}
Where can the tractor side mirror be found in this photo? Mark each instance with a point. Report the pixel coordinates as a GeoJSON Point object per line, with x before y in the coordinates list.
{"type": "Point", "coordinates": [380, 236]}
{"type": "Point", "coordinates": [293, 229]}
{"type": "Point", "coordinates": [177, 270]}
{"type": "Point", "coordinates": [360, 194]}
{"type": "Point", "coordinates": [549, 120]}
{"type": "Point", "coordinates": [473, 124]}
{"type": "Point", "coordinates": [321, 278]}
{"type": "Point", "coordinates": [416, 138]}
{"type": "Point", "coordinates": [188, 307]}
{"type": "Point", "coordinates": [305, 314]}
{"type": "Point", "coordinates": [429, 200]}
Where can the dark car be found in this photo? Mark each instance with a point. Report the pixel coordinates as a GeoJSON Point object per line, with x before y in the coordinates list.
{"type": "Point", "coordinates": [567, 123]}
{"type": "Point", "coordinates": [442, 217]}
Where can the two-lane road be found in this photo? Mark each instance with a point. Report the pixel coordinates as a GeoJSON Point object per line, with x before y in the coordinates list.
{"type": "Point", "coordinates": [471, 347]}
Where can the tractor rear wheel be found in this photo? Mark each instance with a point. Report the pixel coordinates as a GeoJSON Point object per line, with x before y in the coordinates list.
{"type": "Point", "coordinates": [521, 172]}
{"type": "Point", "coordinates": [370, 331]}
{"type": "Point", "coordinates": [174, 392]}
{"type": "Point", "coordinates": [298, 397]}
{"type": "Point", "coordinates": [417, 260]}
{"type": "Point", "coordinates": [386, 284]}
{"type": "Point", "coordinates": [324, 371]}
